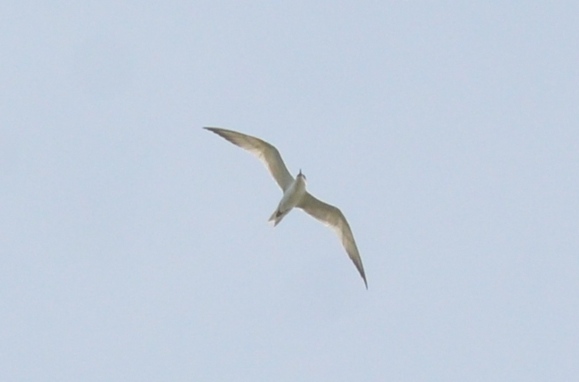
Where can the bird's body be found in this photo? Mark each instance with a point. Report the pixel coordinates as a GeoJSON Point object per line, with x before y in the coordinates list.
{"type": "Point", "coordinates": [292, 196]}
{"type": "Point", "coordinates": [295, 193]}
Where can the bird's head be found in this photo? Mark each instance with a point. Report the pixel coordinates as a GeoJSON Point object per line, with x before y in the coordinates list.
{"type": "Point", "coordinates": [300, 175]}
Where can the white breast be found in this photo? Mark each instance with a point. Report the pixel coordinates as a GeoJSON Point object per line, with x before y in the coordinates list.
{"type": "Point", "coordinates": [293, 194]}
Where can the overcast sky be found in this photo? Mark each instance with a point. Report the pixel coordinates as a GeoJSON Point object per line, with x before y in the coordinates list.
{"type": "Point", "coordinates": [134, 245]}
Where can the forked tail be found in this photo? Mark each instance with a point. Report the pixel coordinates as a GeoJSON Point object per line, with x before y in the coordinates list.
{"type": "Point", "coordinates": [277, 216]}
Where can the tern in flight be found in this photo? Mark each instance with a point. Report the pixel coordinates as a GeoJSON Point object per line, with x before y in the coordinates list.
{"type": "Point", "coordinates": [294, 192]}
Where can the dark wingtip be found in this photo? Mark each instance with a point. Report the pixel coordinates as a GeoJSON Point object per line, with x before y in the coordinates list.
{"type": "Point", "coordinates": [362, 274]}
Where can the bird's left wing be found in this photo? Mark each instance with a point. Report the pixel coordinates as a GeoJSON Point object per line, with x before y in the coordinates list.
{"type": "Point", "coordinates": [335, 219]}
{"type": "Point", "coordinates": [266, 152]}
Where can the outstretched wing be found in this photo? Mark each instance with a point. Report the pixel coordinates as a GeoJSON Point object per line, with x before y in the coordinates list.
{"type": "Point", "coordinates": [266, 152]}
{"type": "Point", "coordinates": [335, 219]}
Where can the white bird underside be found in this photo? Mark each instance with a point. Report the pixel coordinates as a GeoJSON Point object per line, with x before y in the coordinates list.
{"type": "Point", "coordinates": [295, 194]}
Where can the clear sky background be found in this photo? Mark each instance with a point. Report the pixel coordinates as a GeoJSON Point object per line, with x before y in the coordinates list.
{"type": "Point", "coordinates": [135, 245]}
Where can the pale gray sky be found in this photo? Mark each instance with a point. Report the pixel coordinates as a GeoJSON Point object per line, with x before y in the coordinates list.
{"type": "Point", "coordinates": [135, 245]}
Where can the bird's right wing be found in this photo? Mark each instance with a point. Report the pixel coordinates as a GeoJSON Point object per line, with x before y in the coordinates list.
{"type": "Point", "coordinates": [266, 152]}
{"type": "Point", "coordinates": [335, 219]}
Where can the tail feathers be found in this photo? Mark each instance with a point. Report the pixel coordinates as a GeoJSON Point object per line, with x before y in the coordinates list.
{"type": "Point", "coordinates": [277, 216]}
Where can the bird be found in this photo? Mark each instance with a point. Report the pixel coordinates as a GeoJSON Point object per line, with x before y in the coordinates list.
{"type": "Point", "coordinates": [295, 193]}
